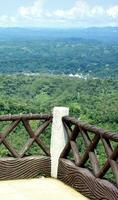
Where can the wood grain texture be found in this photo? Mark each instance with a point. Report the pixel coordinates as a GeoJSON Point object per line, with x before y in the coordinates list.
{"type": "Point", "coordinates": [85, 182]}
{"type": "Point", "coordinates": [90, 153]}
{"type": "Point", "coordinates": [25, 117]}
{"type": "Point", "coordinates": [28, 167]}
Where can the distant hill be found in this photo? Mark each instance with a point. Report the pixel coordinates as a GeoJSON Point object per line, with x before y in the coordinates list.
{"type": "Point", "coordinates": [107, 34]}
{"type": "Point", "coordinates": [91, 51]}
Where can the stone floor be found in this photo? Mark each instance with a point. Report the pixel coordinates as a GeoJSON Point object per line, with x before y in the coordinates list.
{"type": "Point", "coordinates": [37, 189]}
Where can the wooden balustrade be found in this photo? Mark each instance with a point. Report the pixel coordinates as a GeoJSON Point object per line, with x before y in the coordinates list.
{"type": "Point", "coordinates": [33, 136]}
{"type": "Point", "coordinates": [90, 153]}
{"type": "Point", "coordinates": [80, 163]}
{"type": "Point", "coordinates": [86, 172]}
{"type": "Point", "coordinates": [18, 164]}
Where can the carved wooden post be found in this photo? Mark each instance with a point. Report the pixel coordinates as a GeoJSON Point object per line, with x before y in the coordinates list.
{"type": "Point", "coordinates": [58, 137]}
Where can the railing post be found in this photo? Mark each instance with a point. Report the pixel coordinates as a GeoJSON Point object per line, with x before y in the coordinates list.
{"type": "Point", "coordinates": [58, 137]}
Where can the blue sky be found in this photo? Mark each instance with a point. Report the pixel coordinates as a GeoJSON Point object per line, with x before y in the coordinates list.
{"type": "Point", "coordinates": [58, 13]}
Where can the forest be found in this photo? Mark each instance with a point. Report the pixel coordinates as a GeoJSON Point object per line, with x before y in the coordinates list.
{"type": "Point", "coordinates": [93, 100]}
{"type": "Point", "coordinates": [90, 52]}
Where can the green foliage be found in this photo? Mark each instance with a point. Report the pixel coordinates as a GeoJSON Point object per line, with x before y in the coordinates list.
{"type": "Point", "coordinates": [93, 100]}
{"type": "Point", "coordinates": [59, 56]}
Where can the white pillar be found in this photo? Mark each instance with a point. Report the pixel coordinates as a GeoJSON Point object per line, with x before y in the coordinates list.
{"type": "Point", "coordinates": [58, 137]}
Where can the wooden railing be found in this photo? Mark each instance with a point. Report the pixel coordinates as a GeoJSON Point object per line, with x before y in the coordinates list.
{"type": "Point", "coordinates": [33, 136]}
{"type": "Point", "coordinates": [90, 153]}
{"type": "Point", "coordinates": [89, 161]}
{"type": "Point", "coordinates": [91, 138]}
{"type": "Point", "coordinates": [19, 163]}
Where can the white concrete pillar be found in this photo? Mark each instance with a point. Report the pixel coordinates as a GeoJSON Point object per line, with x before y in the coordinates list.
{"type": "Point", "coordinates": [58, 137]}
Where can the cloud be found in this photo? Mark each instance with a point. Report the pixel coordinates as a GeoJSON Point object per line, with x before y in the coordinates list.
{"type": "Point", "coordinates": [113, 11]}
{"type": "Point", "coordinates": [90, 15]}
{"type": "Point", "coordinates": [6, 20]}
{"type": "Point", "coordinates": [80, 10]}
{"type": "Point", "coordinates": [35, 10]}
{"type": "Point", "coordinates": [80, 14]}
{"type": "Point", "coordinates": [97, 10]}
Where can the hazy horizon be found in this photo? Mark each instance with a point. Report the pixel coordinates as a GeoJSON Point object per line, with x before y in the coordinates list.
{"type": "Point", "coordinates": [57, 28]}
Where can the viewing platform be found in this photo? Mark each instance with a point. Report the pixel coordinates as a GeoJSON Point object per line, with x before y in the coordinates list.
{"type": "Point", "coordinates": [72, 152]}
{"type": "Point", "coordinates": [41, 188]}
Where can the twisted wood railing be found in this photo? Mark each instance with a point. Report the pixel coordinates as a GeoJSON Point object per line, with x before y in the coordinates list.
{"type": "Point", "coordinates": [18, 160]}
{"type": "Point", "coordinates": [84, 150]}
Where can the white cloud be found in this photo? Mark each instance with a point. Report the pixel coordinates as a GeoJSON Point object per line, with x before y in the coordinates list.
{"type": "Point", "coordinates": [113, 11]}
{"type": "Point", "coordinates": [81, 9]}
{"type": "Point", "coordinates": [34, 10]}
{"type": "Point", "coordinates": [80, 14]}
{"type": "Point", "coordinates": [7, 20]}
{"type": "Point", "coordinates": [23, 11]}
{"type": "Point", "coordinates": [97, 10]}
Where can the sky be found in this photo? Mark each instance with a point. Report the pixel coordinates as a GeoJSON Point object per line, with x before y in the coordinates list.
{"type": "Point", "coordinates": [58, 13]}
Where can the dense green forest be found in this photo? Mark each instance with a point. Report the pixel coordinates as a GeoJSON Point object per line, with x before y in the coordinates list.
{"type": "Point", "coordinates": [93, 100]}
{"type": "Point", "coordinates": [91, 52]}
